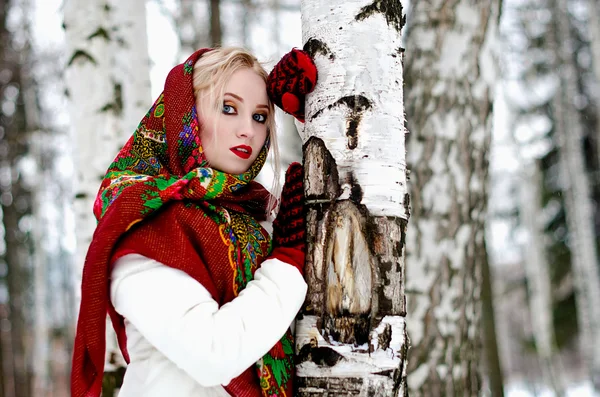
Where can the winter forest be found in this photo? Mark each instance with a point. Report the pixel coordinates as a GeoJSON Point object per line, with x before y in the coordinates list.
{"type": "Point", "coordinates": [495, 287]}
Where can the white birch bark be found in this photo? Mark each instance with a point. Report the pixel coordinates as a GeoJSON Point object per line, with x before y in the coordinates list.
{"type": "Point", "coordinates": [109, 91]}
{"type": "Point", "coordinates": [449, 77]}
{"type": "Point", "coordinates": [594, 30]}
{"type": "Point", "coordinates": [351, 337]}
{"type": "Point", "coordinates": [538, 278]}
{"type": "Point", "coordinates": [94, 115]}
{"type": "Point", "coordinates": [578, 205]}
{"type": "Point", "coordinates": [130, 75]}
{"type": "Point", "coordinates": [92, 109]}
{"type": "Point", "coordinates": [132, 62]}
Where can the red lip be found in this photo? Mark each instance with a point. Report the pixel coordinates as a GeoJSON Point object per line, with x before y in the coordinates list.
{"type": "Point", "coordinates": [243, 151]}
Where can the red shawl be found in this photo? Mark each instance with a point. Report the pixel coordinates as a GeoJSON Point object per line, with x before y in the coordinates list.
{"type": "Point", "coordinates": [160, 199]}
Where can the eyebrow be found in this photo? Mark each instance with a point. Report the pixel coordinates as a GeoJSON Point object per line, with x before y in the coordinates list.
{"type": "Point", "coordinates": [239, 98]}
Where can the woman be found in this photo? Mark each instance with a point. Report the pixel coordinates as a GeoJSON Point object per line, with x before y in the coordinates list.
{"type": "Point", "coordinates": [195, 289]}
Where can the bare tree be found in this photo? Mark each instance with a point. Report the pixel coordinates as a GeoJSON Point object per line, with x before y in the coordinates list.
{"type": "Point", "coordinates": [578, 205]}
{"type": "Point", "coordinates": [538, 279]}
{"type": "Point", "coordinates": [594, 30]}
{"type": "Point", "coordinates": [449, 79]}
{"type": "Point", "coordinates": [109, 91]}
{"type": "Point", "coordinates": [216, 33]}
{"type": "Point", "coordinates": [16, 203]}
{"type": "Point", "coordinates": [350, 336]}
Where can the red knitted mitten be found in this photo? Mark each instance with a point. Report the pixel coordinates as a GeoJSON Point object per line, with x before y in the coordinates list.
{"type": "Point", "coordinates": [294, 76]}
{"type": "Point", "coordinates": [289, 227]}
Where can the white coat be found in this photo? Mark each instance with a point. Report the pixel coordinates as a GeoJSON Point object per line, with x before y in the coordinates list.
{"type": "Point", "coordinates": [181, 343]}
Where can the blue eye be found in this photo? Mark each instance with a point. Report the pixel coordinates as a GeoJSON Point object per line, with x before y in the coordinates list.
{"type": "Point", "coordinates": [228, 109]}
{"type": "Point", "coordinates": [261, 118]}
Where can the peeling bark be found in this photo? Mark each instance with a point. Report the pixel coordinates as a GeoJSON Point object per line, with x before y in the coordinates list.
{"type": "Point", "coordinates": [351, 333]}
{"type": "Point", "coordinates": [449, 108]}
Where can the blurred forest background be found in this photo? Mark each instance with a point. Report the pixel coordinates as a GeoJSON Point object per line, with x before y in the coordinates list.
{"type": "Point", "coordinates": [77, 76]}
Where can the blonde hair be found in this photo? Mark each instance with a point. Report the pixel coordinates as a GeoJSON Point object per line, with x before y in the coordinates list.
{"type": "Point", "coordinates": [212, 72]}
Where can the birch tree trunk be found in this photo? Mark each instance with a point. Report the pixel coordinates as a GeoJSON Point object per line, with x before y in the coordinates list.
{"type": "Point", "coordinates": [93, 109]}
{"type": "Point", "coordinates": [449, 77]}
{"type": "Point", "coordinates": [109, 90]}
{"type": "Point", "coordinates": [351, 334]}
{"type": "Point", "coordinates": [41, 152]}
{"type": "Point", "coordinates": [578, 205]}
{"type": "Point", "coordinates": [131, 71]}
{"type": "Point", "coordinates": [16, 204]}
{"type": "Point", "coordinates": [538, 279]}
{"type": "Point", "coordinates": [489, 330]}
{"type": "Point", "coordinates": [594, 30]}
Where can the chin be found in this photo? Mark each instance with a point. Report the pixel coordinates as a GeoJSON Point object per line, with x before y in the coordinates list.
{"type": "Point", "coordinates": [235, 171]}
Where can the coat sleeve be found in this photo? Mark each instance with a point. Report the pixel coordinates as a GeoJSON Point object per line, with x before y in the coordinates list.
{"type": "Point", "coordinates": [178, 316]}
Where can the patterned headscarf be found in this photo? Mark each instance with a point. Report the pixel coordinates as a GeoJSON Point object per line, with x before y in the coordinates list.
{"type": "Point", "coordinates": [159, 198]}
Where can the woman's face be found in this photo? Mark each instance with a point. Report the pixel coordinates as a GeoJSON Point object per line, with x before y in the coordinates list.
{"type": "Point", "coordinates": [233, 136]}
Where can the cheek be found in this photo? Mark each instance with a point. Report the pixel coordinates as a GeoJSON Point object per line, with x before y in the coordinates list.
{"type": "Point", "coordinates": [208, 141]}
{"type": "Point", "coordinates": [262, 136]}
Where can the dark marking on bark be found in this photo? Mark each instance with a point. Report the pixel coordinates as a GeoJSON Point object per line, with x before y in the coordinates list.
{"type": "Point", "coordinates": [352, 131]}
{"type": "Point", "coordinates": [320, 355]}
{"type": "Point", "coordinates": [386, 306]}
{"type": "Point", "coordinates": [391, 10]}
{"type": "Point", "coordinates": [353, 102]}
{"type": "Point", "coordinates": [399, 376]}
{"type": "Point", "coordinates": [117, 105]}
{"type": "Point", "coordinates": [314, 47]}
{"type": "Point", "coordinates": [356, 193]}
{"type": "Point", "coordinates": [357, 105]}
{"type": "Point", "coordinates": [399, 52]}
{"type": "Point", "coordinates": [100, 32]}
{"type": "Point", "coordinates": [81, 54]}
{"type": "Point", "coordinates": [385, 337]}
{"type": "Point", "coordinates": [352, 329]}
{"type": "Point", "coordinates": [80, 195]}
{"type": "Point", "coordinates": [387, 372]}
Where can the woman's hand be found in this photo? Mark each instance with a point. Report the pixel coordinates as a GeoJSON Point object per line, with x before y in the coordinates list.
{"type": "Point", "coordinates": [289, 225]}
{"type": "Point", "coordinates": [294, 76]}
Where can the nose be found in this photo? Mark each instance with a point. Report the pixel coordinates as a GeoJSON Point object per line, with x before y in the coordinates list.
{"type": "Point", "coordinates": [246, 128]}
